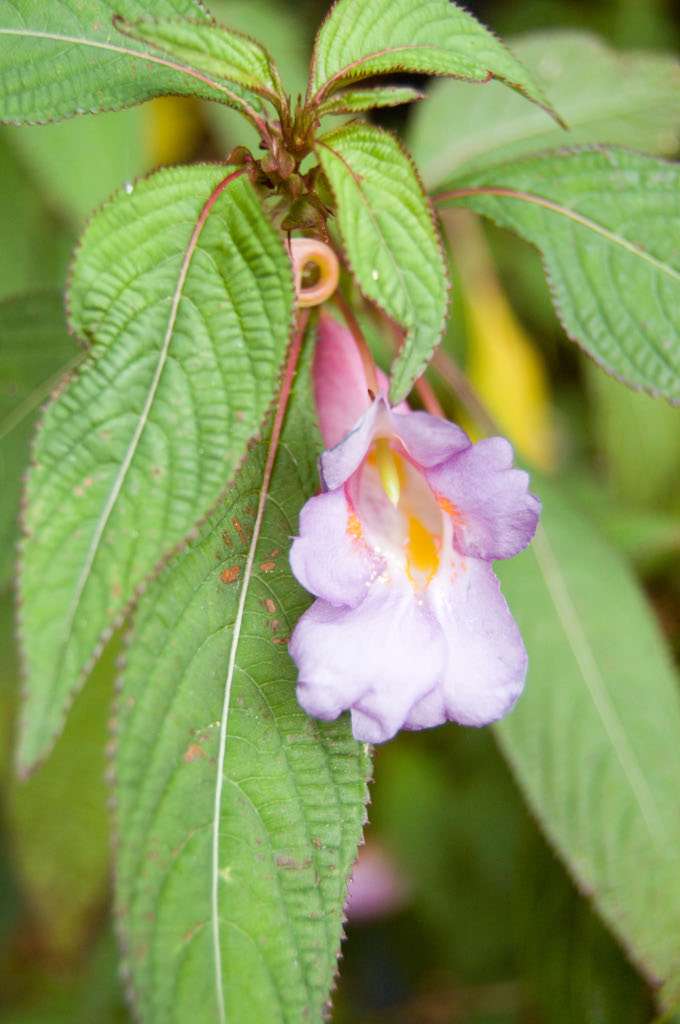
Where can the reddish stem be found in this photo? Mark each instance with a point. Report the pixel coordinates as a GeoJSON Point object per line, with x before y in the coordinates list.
{"type": "Point", "coordinates": [428, 398]}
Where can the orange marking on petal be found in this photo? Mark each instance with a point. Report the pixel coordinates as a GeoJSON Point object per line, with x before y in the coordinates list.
{"type": "Point", "coordinates": [422, 553]}
{"type": "Point", "coordinates": [448, 507]}
{"type": "Point", "coordinates": [354, 527]}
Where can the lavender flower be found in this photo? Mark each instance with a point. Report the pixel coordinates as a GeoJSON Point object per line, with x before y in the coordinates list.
{"type": "Point", "coordinates": [409, 629]}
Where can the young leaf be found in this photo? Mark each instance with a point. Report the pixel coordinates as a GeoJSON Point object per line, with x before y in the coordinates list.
{"type": "Point", "coordinates": [355, 101]}
{"type": "Point", "coordinates": [187, 291]}
{"type": "Point", "coordinates": [606, 222]}
{"type": "Point", "coordinates": [61, 59]}
{"type": "Point", "coordinates": [391, 239]}
{"type": "Point", "coordinates": [629, 99]}
{"type": "Point", "coordinates": [233, 859]}
{"type": "Point", "coordinates": [595, 740]}
{"type": "Point", "coordinates": [362, 38]}
{"type": "Point", "coordinates": [34, 349]}
{"type": "Point", "coordinates": [220, 52]}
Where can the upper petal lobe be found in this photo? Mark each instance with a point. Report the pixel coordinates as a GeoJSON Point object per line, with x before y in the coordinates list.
{"type": "Point", "coordinates": [495, 516]}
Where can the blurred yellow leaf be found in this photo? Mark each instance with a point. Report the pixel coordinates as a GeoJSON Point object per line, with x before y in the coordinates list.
{"type": "Point", "coordinates": [173, 130]}
{"type": "Point", "coordinates": [504, 365]}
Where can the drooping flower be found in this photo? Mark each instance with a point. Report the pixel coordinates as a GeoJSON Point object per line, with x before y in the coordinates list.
{"type": "Point", "coordinates": [409, 628]}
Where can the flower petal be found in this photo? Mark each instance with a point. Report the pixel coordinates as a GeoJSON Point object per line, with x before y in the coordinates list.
{"type": "Point", "coordinates": [338, 464]}
{"type": "Point", "coordinates": [379, 659]}
{"type": "Point", "coordinates": [328, 558]}
{"type": "Point", "coordinates": [429, 440]}
{"type": "Point", "coordinates": [486, 660]}
{"type": "Point", "coordinates": [340, 389]}
{"type": "Point", "coordinates": [494, 514]}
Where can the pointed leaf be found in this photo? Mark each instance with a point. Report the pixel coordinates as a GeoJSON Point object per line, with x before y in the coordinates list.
{"type": "Point", "coordinates": [630, 99]}
{"type": "Point", "coordinates": [60, 59]}
{"type": "Point", "coordinates": [220, 52]}
{"type": "Point", "coordinates": [606, 222]}
{"type": "Point", "coordinates": [595, 739]}
{"type": "Point", "coordinates": [34, 349]}
{"type": "Point", "coordinates": [361, 38]}
{"type": "Point", "coordinates": [189, 304]}
{"type": "Point", "coordinates": [355, 101]}
{"type": "Point", "coordinates": [391, 239]}
{"type": "Point", "coordinates": [247, 929]}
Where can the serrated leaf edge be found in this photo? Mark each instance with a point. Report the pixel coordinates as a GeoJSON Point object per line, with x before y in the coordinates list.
{"type": "Point", "coordinates": [396, 397]}
{"type": "Point", "coordinates": [25, 771]}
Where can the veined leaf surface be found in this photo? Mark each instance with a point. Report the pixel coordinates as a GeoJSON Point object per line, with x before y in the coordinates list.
{"type": "Point", "coordinates": [355, 101]}
{"type": "Point", "coordinates": [391, 239]}
{"type": "Point", "coordinates": [247, 929]}
{"type": "Point", "coordinates": [606, 222]}
{"type": "Point", "coordinates": [186, 290]}
{"type": "Point", "coordinates": [220, 52]}
{"type": "Point", "coordinates": [361, 38]}
{"type": "Point", "coordinates": [595, 739]}
{"type": "Point", "coordinates": [60, 59]}
{"type": "Point", "coordinates": [627, 99]}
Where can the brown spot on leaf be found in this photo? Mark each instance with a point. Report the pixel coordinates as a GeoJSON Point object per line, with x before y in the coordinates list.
{"type": "Point", "coordinates": [193, 753]}
{"type": "Point", "coordinates": [230, 575]}
{"type": "Point", "coordinates": [269, 605]}
{"type": "Point", "coordinates": [240, 531]}
{"type": "Point", "coordinates": [268, 566]}
{"type": "Point", "coordinates": [291, 864]}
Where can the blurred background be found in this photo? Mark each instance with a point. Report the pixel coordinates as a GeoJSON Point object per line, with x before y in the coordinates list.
{"type": "Point", "coordinates": [459, 912]}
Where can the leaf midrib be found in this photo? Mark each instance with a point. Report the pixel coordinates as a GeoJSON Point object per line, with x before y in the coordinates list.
{"type": "Point", "coordinates": [129, 52]}
{"type": "Point", "coordinates": [142, 421]}
{"type": "Point", "coordinates": [365, 202]}
{"type": "Point", "coordinates": [584, 656]}
{"type": "Point", "coordinates": [565, 211]}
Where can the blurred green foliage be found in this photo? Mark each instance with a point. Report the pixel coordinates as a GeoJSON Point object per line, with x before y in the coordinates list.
{"type": "Point", "coordinates": [493, 931]}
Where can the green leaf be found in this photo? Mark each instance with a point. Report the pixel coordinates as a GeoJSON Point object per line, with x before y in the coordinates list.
{"type": "Point", "coordinates": [284, 798]}
{"type": "Point", "coordinates": [627, 99]}
{"type": "Point", "coordinates": [218, 51]}
{"type": "Point", "coordinates": [355, 101]}
{"type": "Point", "coordinates": [286, 37]}
{"type": "Point", "coordinates": [391, 239]}
{"type": "Point", "coordinates": [606, 222]}
{"type": "Point", "coordinates": [58, 822]}
{"type": "Point", "coordinates": [362, 38]}
{"type": "Point", "coordinates": [638, 443]}
{"type": "Point", "coordinates": [187, 291]}
{"type": "Point", "coordinates": [595, 739]}
{"type": "Point", "coordinates": [34, 350]}
{"type": "Point", "coordinates": [61, 59]}
{"type": "Point", "coordinates": [575, 970]}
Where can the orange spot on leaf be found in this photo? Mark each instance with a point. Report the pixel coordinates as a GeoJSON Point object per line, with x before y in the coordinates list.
{"type": "Point", "coordinates": [268, 566]}
{"type": "Point", "coordinates": [230, 575]}
{"type": "Point", "coordinates": [193, 753]}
